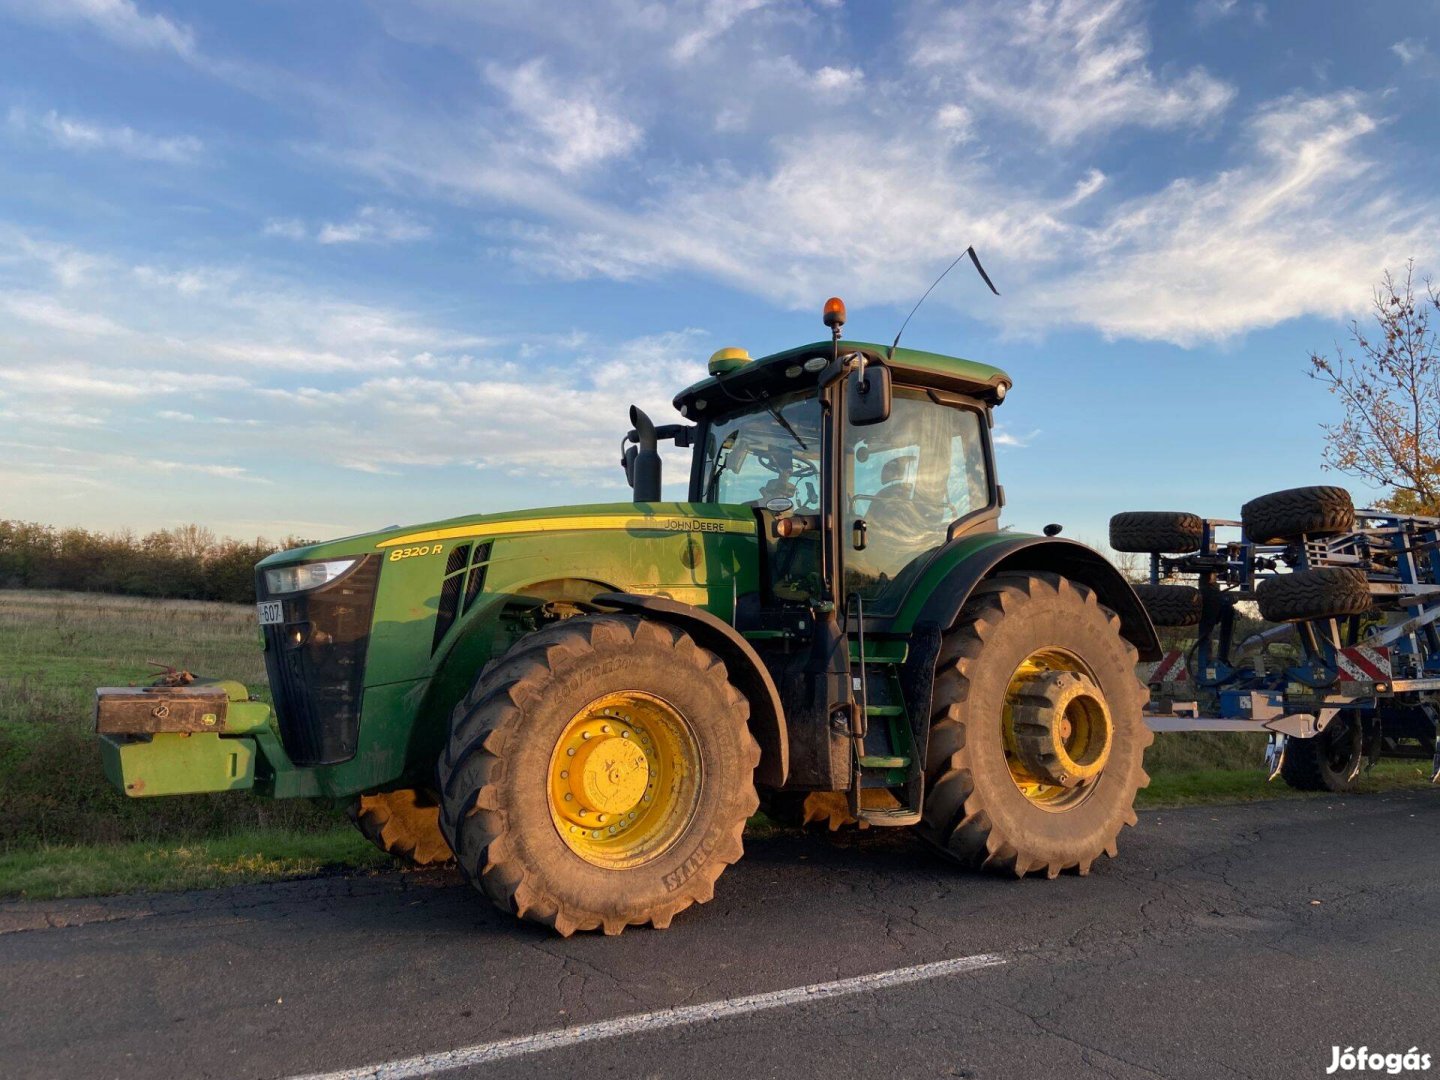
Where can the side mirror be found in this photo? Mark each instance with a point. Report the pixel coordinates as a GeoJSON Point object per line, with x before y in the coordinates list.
{"type": "Point", "coordinates": [868, 396]}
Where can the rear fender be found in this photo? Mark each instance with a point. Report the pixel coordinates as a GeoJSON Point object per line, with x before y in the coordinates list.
{"type": "Point", "coordinates": [746, 670]}
{"type": "Point", "coordinates": [1033, 554]}
{"type": "Point", "coordinates": [1017, 554]}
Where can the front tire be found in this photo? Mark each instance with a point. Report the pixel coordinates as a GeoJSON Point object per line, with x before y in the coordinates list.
{"type": "Point", "coordinates": [404, 824]}
{"type": "Point", "coordinates": [1037, 738]}
{"type": "Point", "coordinates": [599, 775]}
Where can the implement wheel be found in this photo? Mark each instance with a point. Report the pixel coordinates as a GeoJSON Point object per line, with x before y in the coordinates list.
{"type": "Point", "coordinates": [1165, 531]}
{"type": "Point", "coordinates": [1171, 605]}
{"type": "Point", "coordinates": [1296, 512]}
{"type": "Point", "coordinates": [405, 824]}
{"type": "Point", "coordinates": [1037, 738]}
{"type": "Point", "coordinates": [1331, 761]}
{"type": "Point", "coordinates": [599, 775]}
{"type": "Point", "coordinates": [1327, 592]}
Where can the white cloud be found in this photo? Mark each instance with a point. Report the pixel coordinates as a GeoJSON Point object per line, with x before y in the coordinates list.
{"type": "Point", "coordinates": [838, 84]}
{"type": "Point", "coordinates": [569, 126]}
{"type": "Point", "coordinates": [1003, 436]}
{"type": "Point", "coordinates": [956, 122]}
{"type": "Point", "coordinates": [714, 18]}
{"type": "Point", "coordinates": [338, 385]}
{"type": "Point", "coordinates": [1294, 220]}
{"type": "Point", "coordinates": [1069, 68]}
{"type": "Point", "coordinates": [120, 20]}
{"type": "Point", "coordinates": [72, 133]}
{"type": "Point", "coordinates": [1410, 50]}
{"type": "Point", "coordinates": [51, 313]}
{"type": "Point", "coordinates": [1281, 222]}
{"type": "Point", "coordinates": [1206, 12]}
{"type": "Point", "coordinates": [372, 225]}
{"type": "Point", "coordinates": [199, 318]}
{"type": "Point", "coordinates": [562, 423]}
{"type": "Point", "coordinates": [287, 228]}
{"type": "Point", "coordinates": [1246, 248]}
{"type": "Point", "coordinates": [67, 381]}
{"type": "Point", "coordinates": [67, 459]}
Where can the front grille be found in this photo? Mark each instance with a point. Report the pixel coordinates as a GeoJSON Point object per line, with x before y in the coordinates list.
{"type": "Point", "coordinates": [316, 663]}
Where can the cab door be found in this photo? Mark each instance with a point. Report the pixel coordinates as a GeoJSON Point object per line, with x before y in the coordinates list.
{"type": "Point", "coordinates": [908, 481]}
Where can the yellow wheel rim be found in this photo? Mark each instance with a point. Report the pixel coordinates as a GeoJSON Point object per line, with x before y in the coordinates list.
{"type": "Point", "coordinates": [1057, 728]}
{"type": "Point", "coordinates": [624, 779]}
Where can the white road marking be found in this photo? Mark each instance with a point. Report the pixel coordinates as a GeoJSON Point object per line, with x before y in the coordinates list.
{"type": "Point", "coordinates": [485, 1053]}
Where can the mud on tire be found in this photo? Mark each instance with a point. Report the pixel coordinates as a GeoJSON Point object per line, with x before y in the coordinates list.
{"type": "Point", "coordinates": [1164, 531]}
{"type": "Point", "coordinates": [1171, 605]}
{"type": "Point", "coordinates": [1326, 592]}
{"type": "Point", "coordinates": [493, 776]}
{"type": "Point", "coordinates": [974, 811]}
{"type": "Point", "coordinates": [405, 824]}
{"type": "Point", "coordinates": [1296, 512]}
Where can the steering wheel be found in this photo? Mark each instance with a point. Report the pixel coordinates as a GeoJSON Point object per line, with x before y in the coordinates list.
{"type": "Point", "coordinates": [798, 468]}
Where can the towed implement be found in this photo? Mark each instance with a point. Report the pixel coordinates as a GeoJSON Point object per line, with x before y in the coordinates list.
{"type": "Point", "coordinates": [584, 705]}
{"type": "Point", "coordinates": [1351, 671]}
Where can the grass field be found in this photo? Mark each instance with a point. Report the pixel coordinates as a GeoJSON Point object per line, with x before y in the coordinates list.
{"type": "Point", "coordinates": [65, 832]}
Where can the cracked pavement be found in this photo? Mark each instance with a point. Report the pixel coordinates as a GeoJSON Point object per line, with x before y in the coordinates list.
{"type": "Point", "coordinates": [1201, 952]}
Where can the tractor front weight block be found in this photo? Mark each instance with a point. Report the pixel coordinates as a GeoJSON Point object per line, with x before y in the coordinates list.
{"type": "Point", "coordinates": [189, 740]}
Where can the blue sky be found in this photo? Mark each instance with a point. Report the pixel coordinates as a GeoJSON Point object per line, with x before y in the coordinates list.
{"type": "Point", "coordinates": [314, 267]}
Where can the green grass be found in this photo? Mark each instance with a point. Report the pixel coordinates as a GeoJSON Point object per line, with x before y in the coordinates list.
{"type": "Point", "coordinates": [1187, 786]}
{"type": "Point", "coordinates": [57, 872]}
{"type": "Point", "coordinates": [55, 648]}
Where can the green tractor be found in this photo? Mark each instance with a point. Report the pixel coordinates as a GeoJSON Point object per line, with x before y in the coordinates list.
{"type": "Point", "coordinates": [586, 704]}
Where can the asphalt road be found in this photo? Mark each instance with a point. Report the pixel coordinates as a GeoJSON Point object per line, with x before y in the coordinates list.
{"type": "Point", "coordinates": [1225, 941]}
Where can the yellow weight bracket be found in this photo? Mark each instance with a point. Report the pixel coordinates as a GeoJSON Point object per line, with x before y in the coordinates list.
{"type": "Point", "coordinates": [624, 780]}
{"type": "Point", "coordinates": [1057, 729]}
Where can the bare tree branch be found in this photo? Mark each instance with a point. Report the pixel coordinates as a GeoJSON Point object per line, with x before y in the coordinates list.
{"type": "Point", "coordinates": [1389, 433]}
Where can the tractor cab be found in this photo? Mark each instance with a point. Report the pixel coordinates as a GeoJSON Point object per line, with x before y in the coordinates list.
{"type": "Point", "coordinates": [890, 487]}
{"type": "Point", "coordinates": [860, 464]}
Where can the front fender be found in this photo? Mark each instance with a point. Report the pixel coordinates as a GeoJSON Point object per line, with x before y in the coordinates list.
{"type": "Point", "coordinates": [747, 671]}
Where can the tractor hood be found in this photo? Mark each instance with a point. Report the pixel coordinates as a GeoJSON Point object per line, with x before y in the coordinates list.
{"type": "Point", "coordinates": [649, 519]}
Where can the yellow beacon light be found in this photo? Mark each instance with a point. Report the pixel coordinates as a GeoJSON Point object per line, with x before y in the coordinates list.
{"type": "Point", "coordinates": [834, 313]}
{"type": "Point", "coordinates": [724, 361]}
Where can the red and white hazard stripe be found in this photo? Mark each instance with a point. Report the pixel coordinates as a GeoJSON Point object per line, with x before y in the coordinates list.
{"type": "Point", "coordinates": [1171, 668]}
{"type": "Point", "coordinates": [1362, 663]}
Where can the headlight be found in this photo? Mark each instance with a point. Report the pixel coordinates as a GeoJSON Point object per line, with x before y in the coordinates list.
{"type": "Point", "coordinates": [302, 576]}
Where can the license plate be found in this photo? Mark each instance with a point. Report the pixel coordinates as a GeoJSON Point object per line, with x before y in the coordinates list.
{"type": "Point", "coordinates": [271, 613]}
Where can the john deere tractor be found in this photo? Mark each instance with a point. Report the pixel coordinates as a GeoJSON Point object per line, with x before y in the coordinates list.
{"type": "Point", "coordinates": [585, 704]}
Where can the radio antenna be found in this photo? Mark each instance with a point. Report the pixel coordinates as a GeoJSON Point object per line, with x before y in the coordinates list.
{"type": "Point", "coordinates": [970, 252]}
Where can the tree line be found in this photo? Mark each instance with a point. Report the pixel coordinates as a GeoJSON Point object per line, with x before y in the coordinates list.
{"type": "Point", "coordinates": [186, 563]}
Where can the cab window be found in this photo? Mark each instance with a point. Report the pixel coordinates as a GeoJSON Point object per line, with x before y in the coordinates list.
{"type": "Point", "coordinates": [771, 451]}
{"type": "Point", "coordinates": [909, 479]}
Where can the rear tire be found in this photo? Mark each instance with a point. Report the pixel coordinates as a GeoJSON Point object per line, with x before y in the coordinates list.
{"type": "Point", "coordinates": [1164, 531]}
{"type": "Point", "coordinates": [1295, 512]}
{"type": "Point", "coordinates": [1327, 592]}
{"type": "Point", "coordinates": [1171, 605]}
{"type": "Point", "coordinates": [405, 824]}
{"type": "Point", "coordinates": [499, 806]}
{"type": "Point", "coordinates": [976, 811]}
{"type": "Point", "coordinates": [1331, 761]}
